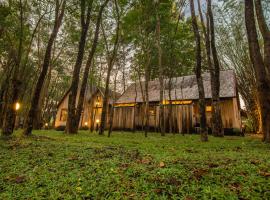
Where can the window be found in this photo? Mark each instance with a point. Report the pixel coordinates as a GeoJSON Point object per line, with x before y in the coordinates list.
{"type": "Point", "coordinates": [63, 115]}
{"type": "Point", "coordinates": [208, 109]}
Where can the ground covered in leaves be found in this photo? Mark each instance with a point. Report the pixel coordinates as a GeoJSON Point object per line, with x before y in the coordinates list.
{"type": "Point", "coordinates": [53, 165]}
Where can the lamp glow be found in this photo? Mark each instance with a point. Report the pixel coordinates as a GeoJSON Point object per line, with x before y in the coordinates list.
{"type": "Point", "coordinates": [85, 123]}
{"type": "Point", "coordinates": [17, 106]}
{"type": "Point", "coordinates": [97, 120]}
{"type": "Point", "coordinates": [46, 124]}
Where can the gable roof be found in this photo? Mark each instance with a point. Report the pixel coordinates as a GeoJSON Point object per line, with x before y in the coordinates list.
{"type": "Point", "coordinates": [183, 88]}
{"type": "Point", "coordinates": [90, 92]}
{"type": "Point", "coordinates": [102, 92]}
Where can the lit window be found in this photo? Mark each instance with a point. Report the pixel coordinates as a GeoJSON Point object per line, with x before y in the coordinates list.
{"type": "Point", "coordinates": [208, 109]}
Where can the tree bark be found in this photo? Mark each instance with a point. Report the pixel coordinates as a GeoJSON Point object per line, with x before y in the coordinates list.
{"type": "Point", "coordinates": [88, 66]}
{"type": "Point", "coordinates": [161, 71]}
{"type": "Point", "coordinates": [263, 83]}
{"type": "Point", "coordinates": [112, 108]}
{"type": "Point", "coordinates": [198, 71]}
{"type": "Point", "coordinates": [36, 97]}
{"type": "Point", "coordinates": [217, 128]}
{"type": "Point", "coordinates": [135, 108]}
{"type": "Point", "coordinates": [85, 21]}
{"type": "Point", "coordinates": [9, 115]}
{"type": "Point", "coordinates": [146, 109]}
{"type": "Point", "coordinates": [265, 34]}
{"type": "Point", "coordinates": [110, 66]}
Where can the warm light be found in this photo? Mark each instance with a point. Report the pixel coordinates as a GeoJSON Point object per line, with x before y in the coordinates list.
{"type": "Point", "coordinates": [177, 102]}
{"type": "Point", "coordinates": [97, 120]}
{"type": "Point", "coordinates": [85, 123]}
{"type": "Point", "coordinates": [124, 105]}
{"type": "Point", "coordinates": [46, 124]}
{"type": "Point", "coordinates": [17, 106]}
{"type": "Point", "coordinates": [208, 108]}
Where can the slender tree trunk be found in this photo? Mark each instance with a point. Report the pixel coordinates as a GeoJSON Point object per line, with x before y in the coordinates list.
{"type": "Point", "coordinates": [88, 66]}
{"type": "Point", "coordinates": [9, 115]}
{"type": "Point", "coordinates": [135, 108]}
{"type": "Point", "coordinates": [112, 108]}
{"type": "Point", "coordinates": [161, 71]}
{"type": "Point", "coordinates": [217, 128]}
{"type": "Point", "coordinates": [198, 71]}
{"type": "Point", "coordinates": [59, 14]}
{"type": "Point", "coordinates": [263, 83]}
{"type": "Point", "coordinates": [110, 66]}
{"type": "Point", "coordinates": [85, 21]}
{"type": "Point", "coordinates": [264, 29]}
{"type": "Point", "coordinates": [146, 109]}
{"type": "Point", "coordinates": [170, 105]}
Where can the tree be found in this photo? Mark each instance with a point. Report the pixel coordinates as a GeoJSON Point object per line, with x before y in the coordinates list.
{"type": "Point", "coordinates": [86, 8]}
{"type": "Point", "coordinates": [59, 14]}
{"type": "Point", "coordinates": [198, 72]}
{"type": "Point", "coordinates": [111, 60]}
{"type": "Point", "coordinates": [263, 82]}
{"type": "Point", "coordinates": [264, 29]}
{"type": "Point", "coordinates": [161, 73]}
{"type": "Point", "coordinates": [88, 65]}
{"type": "Point", "coordinates": [232, 47]}
{"type": "Point", "coordinates": [217, 129]}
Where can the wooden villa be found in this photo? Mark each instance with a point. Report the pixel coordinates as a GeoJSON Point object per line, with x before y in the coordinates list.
{"type": "Point", "coordinates": [92, 108]}
{"type": "Point", "coordinates": [129, 108]}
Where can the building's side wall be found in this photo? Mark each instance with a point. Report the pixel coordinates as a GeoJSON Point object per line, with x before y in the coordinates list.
{"type": "Point", "coordinates": [62, 107]}
{"type": "Point", "coordinates": [62, 110]}
{"type": "Point", "coordinates": [230, 113]}
{"type": "Point", "coordinates": [184, 118]}
{"type": "Point", "coordinates": [94, 110]}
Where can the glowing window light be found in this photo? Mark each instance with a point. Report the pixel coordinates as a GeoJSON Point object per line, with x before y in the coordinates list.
{"type": "Point", "coordinates": [208, 108]}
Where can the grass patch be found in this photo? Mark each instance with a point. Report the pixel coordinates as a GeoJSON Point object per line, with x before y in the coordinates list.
{"type": "Point", "coordinates": [53, 165]}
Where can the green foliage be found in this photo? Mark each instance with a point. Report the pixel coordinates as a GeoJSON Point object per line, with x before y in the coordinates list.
{"type": "Point", "coordinates": [52, 165]}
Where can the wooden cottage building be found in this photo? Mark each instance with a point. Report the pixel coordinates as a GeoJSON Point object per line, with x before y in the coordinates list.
{"type": "Point", "coordinates": [129, 108]}
{"type": "Point", "coordinates": [92, 108]}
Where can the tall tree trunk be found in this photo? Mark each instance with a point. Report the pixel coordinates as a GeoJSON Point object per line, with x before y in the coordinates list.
{"type": "Point", "coordinates": [217, 128]}
{"type": "Point", "coordinates": [146, 109]}
{"type": "Point", "coordinates": [112, 108]}
{"type": "Point", "coordinates": [170, 105]}
{"type": "Point", "coordinates": [88, 66]}
{"type": "Point", "coordinates": [59, 14]}
{"type": "Point", "coordinates": [135, 108]}
{"type": "Point", "coordinates": [198, 71]}
{"type": "Point", "coordinates": [265, 34]}
{"type": "Point", "coordinates": [110, 66]}
{"type": "Point", "coordinates": [38, 120]}
{"type": "Point", "coordinates": [161, 71]}
{"type": "Point", "coordinates": [263, 83]}
{"type": "Point", "coordinates": [9, 115]}
{"type": "Point", "coordinates": [85, 21]}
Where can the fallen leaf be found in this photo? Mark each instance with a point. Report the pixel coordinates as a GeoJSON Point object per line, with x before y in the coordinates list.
{"type": "Point", "coordinates": [146, 161]}
{"type": "Point", "coordinates": [161, 164]}
{"type": "Point", "coordinates": [265, 174]}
